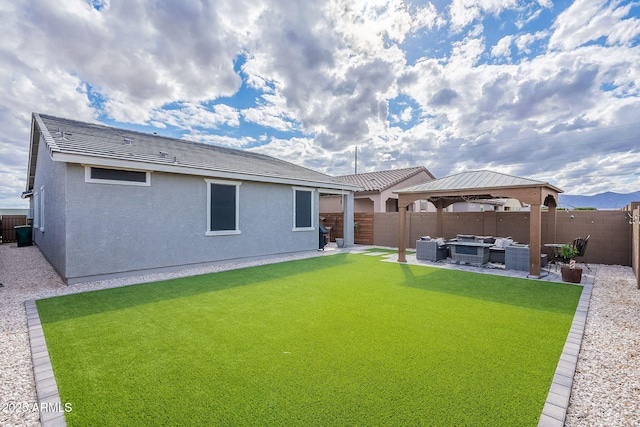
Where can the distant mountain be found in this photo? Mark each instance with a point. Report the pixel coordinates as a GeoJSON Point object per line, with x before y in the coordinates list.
{"type": "Point", "coordinates": [608, 200]}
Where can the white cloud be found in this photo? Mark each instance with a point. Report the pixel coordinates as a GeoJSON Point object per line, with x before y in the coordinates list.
{"type": "Point", "coordinates": [589, 20]}
{"type": "Point", "coordinates": [138, 57]}
{"type": "Point", "coordinates": [503, 47]}
{"type": "Point", "coordinates": [524, 41]}
{"type": "Point", "coordinates": [427, 17]}
{"type": "Point", "coordinates": [406, 115]}
{"type": "Point", "coordinates": [467, 52]}
{"type": "Point", "coordinates": [465, 12]}
{"type": "Point", "coordinates": [219, 140]}
{"type": "Point", "coordinates": [191, 115]}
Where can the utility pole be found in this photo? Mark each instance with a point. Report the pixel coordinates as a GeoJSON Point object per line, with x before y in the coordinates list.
{"type": "Point", "coordinates": [356, 160]}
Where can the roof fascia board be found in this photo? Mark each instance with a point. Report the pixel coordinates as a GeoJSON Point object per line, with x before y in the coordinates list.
{"type": "Point", "coordinates": [189, 170]}
{"type": "Point", "coordinates": [482, 190]}
{"type": "Point", "coordinates": [341, 191]}
{"type": "Point", "coordinates": [34, 141]}
{"type": "Point", "coordinates": [44, 131]}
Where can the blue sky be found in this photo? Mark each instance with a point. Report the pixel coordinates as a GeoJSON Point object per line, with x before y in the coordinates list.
{"type": "Point", "coordinates": [542, 89]}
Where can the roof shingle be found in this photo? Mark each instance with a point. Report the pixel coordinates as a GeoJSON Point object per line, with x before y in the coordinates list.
{"type": "Point", "coordinates": [381, 180]}
{"type": "Point", "coordinates": [72, 137]}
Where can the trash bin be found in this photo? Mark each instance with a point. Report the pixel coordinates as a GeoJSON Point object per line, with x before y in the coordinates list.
{"type": "Point", "coordinates": [322, 236]}
{"type": "Point", "coordinates": [23, 235]}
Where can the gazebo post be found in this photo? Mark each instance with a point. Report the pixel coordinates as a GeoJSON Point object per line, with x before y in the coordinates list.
{"type": "Point", "coordinates": [551, 220]}
{"type": "Point", "coordinates": [535, 240]}
{"type": "Point", "coordinates": [439, 218]}
{"type": "Point", "coordinates": [402, 225]}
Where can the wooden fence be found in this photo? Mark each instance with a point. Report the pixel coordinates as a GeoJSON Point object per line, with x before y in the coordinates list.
{"type": "Point", "coordinates": [362, 230]}
{"type": "Point", "coordinates": [8, 222]}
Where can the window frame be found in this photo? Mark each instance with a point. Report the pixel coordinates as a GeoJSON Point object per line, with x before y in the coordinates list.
{"type": "Point", "coordinates": [36, 210]}
{"type": "Point", "coordinates": [236, 184]}
{"type": "Point", "coordinates": [42, 209]}
{"type": "Point", "coordinates": [311, 208]}
{"type": "Point", "coordinates": [89, 179]}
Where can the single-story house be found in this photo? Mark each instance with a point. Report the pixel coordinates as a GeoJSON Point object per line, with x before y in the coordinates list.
{"type": "Point", "coordinates": [110, 202]}
{"type": "Point", "coordinates": [376, 190]}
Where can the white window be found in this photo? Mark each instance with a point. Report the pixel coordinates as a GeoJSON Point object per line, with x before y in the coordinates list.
{"type": "Point", "coordinates": [99, 175]}
{"type": "Point", "coordinates": [42, 209]}
{"type": "Point", "coordinates": [223, 207]}
{"type": "Point", "coordinates": [302, 209]}
{"type": "Point", "coordinates": [36, 210]}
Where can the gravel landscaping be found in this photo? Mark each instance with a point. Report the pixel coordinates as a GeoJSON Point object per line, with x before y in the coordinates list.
{"type": "Point", "coordinates": [605, 388]}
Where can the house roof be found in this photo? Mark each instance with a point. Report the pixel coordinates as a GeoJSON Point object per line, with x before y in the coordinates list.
{"type": "Point", "coordinates": [95, 144]}
{"type": "Point", "coordinates": [382, 180]}
{"type": "Point", "coordinates": [474, 180]}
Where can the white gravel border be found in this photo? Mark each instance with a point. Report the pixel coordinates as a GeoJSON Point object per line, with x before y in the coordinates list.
{"type": "Point", "coordinates": [605, 387]}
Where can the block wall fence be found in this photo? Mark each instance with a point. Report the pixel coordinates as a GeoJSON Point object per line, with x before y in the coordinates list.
{"type": "Point", "coordinates": [611, 240]}
{"type": "Point", "coordinates": [634, 216]}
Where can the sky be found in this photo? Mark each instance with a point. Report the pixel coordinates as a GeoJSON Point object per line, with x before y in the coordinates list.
{"type": "Point", "coordinates": [548, 90]}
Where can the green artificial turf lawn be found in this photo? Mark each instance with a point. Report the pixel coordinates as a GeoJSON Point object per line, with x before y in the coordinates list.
{"type": "Point", "coordinates": [337, 340]}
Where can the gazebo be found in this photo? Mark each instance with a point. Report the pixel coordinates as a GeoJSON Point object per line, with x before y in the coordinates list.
{"type": "Point", "coordinates": [483, 184]}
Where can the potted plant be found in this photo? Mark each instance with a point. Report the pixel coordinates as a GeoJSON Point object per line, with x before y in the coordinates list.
{"type": "Point", "coordinates": [570, 273]}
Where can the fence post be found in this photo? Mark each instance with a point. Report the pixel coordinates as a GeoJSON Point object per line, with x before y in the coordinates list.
{"type": "Point", "coordinates": [635, 242]}
{"type": "Point", "coordinates": [402, 225]}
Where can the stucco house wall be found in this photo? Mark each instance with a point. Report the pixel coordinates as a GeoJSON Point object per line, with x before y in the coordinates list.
{"type": "Point", "coordinates": [387, 194]}
{"type": "Point", "coordinates": [120, 228]}
{"type": "Point", "coordinates": [48, 207]}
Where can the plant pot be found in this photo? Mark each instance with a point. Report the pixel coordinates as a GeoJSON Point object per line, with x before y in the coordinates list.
{"type": "Point", "coordinates": [571, 275]}
{"type": "Point", "coordinates": [340, 242]}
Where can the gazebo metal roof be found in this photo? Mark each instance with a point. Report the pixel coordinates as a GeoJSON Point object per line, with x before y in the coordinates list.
{"type": "Point", "coordinates": [474, 180]}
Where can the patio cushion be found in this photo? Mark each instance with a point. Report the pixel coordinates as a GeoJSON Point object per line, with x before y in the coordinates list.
{"type": "Point", "coordinates": [485, 239]}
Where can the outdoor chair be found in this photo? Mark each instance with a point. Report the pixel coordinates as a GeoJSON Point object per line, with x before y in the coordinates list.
{"type": "Point", "coordinates": [581, 246]}
{"type": "Point", "coordinates": [517, 257]}
{"type": "Point", "coordinates": [496, 252]}
{"type": "Point", "coordinates": [431, 249]}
